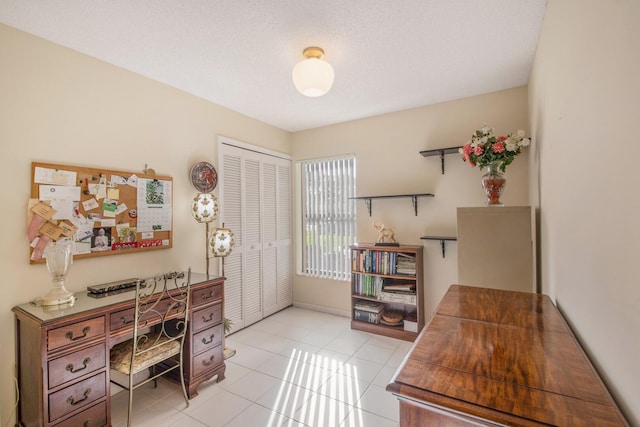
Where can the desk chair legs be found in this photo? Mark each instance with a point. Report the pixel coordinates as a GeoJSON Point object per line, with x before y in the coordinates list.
{"type": "Point", "coordinates": [161, 320]}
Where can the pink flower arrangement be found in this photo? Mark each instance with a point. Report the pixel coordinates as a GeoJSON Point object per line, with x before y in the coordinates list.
{"type": "Point", "coordinates": [485, 148]}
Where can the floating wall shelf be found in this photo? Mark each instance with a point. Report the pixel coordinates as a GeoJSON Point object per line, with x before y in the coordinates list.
{"type": "Point", "coordinates": [414, 199]}
{"type": "Point", "coordinates": [442, 240]}
{"type": "Point", "coordinates": [440, 152]}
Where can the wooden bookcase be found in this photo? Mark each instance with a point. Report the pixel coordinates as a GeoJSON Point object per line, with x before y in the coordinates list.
{"type": "Point", "coordinates": [372, 269]}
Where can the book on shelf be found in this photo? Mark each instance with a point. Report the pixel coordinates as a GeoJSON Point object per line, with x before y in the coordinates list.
{"type": "Point", "coordinates": [400, 287]}
{"type": "Point", "coordinates": [366, 316]}
{"type": "Point", "coordinates": [406, 271]}
{"type": "Point", "coordinates": [372, 261]}
{"type": "Point", "coordinates": [372, 306]}
{"type": "Point", "coordinates": [383, 262]}
{"type": "Point", "coordinates": [406, 265]}
{"type": "Point", "coordinates": [398, 297]}
{"type": "Point", "coordinates": [368, 285]}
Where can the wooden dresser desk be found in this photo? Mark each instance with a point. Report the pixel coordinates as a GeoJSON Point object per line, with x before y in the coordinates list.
{"type": "Point", "coordinates": [491, 357]}
{"type": "Point", "coordinates": [63, 353]}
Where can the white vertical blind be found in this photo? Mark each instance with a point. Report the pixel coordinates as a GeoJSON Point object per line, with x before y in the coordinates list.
{"type": "Point", "coordinates": [329, 216]}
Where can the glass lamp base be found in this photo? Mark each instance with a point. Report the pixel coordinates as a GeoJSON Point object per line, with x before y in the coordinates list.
{"type": "Point", "coordinates": [57, 296]}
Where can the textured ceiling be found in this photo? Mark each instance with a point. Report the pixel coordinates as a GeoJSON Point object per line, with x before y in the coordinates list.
{"type": "Point", "coordinates": [388, 55]}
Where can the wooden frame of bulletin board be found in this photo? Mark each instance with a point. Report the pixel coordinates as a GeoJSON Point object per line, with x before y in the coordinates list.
{"type": "Point", "coordinates": [100, 211]}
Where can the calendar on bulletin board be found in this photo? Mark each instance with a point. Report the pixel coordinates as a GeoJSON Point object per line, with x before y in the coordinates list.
{"type": "Point", "coordinates": [99, 211]}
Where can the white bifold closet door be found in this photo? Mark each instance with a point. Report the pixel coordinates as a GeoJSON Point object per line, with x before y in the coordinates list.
{"type": "Point", "coordinates": [255, 203]}
{"type": "Point", "coordinates": [276, 248]}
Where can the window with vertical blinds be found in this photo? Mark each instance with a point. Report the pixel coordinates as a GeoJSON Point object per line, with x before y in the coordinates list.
{"type": "Point", "coordinates": [329, 216]}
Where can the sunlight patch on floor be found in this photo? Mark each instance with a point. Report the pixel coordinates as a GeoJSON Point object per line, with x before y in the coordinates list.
{"type": "Point", "coordinates": [316, 408]}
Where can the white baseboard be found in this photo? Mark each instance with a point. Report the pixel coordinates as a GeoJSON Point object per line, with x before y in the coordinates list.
{"type": "Point", "coordinates": [323, 309]}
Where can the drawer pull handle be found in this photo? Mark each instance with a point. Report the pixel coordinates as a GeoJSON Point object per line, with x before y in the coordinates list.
{"type": "Point", "coordinates": [208, 362]}
{"type": "Point", "coordinates": [85, 331]}
{"type": "Point", "coordinates": [204, 340]}
{"type": "Point", "coordinates": [207, 320]}
{"type": "Point", "coordinates": [85, 363]}
{"type": "Point", "coordinates": [208, 296]}
{"type": "Point", "coordinates": [125, 321]}
{"type": "Point", "coordinates": [72, 401]}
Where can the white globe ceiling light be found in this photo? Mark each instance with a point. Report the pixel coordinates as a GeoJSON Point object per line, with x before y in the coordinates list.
{"type": "Point", "coordinates": [313, 76]}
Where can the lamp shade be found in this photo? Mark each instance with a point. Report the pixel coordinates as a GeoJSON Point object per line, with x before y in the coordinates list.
{"type": "Point", "coordinates": [204, 207]}
{"type": "Point", "coordinates": [313, 76]}
{"type": "Point", "coordinates": [221, 242]}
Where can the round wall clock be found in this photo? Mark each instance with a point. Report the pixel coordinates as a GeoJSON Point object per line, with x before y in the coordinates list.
{"type": "Point", "coordinates": [204, 177]}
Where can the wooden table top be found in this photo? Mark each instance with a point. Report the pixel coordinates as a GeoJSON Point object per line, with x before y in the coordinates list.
{"type": "Point", "coordinates": [505, 356]}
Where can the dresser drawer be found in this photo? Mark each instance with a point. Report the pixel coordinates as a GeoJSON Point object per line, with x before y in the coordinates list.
{"type": "Point", "coordinates": [206, 317]}
{"type": "Point", "coordinates": [95, 416]}
{"type": "Point", "coordinates": [206, 295]}
{"type": "Point", "coordinates": [208, 360]}
{"type": "Point", "coordinates": [125, 318]}
{"type": "Point", "coordinates": [121, 319]}
{"type": "Point", "coordinates": [207, 339]}
{"type": "Point", "coordinates": [76, 364]}
{"type": "Point", "coordinates": [76, 396]}
{"type": "Point", "coordinates": [75, 333]}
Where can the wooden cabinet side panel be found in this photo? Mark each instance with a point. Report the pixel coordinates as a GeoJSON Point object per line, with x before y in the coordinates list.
{"type": "Point", "coordinates": [30, 370]}
{"type": "Point", "coordinates": [415, 416]}
{"type": "Point", "coordinates": [420, 293]}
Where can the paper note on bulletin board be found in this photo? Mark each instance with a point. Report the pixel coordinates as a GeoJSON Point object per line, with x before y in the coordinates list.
{"type": "Point", "coordinates": [101, 211]}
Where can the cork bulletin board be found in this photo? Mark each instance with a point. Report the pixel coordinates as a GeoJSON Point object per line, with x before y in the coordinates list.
{"type": "Point", "coordinates": [99, 211]}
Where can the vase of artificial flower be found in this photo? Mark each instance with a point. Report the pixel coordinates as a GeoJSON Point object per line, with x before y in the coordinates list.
{"type": "Point", "coordinates": [493, 183]}
{"type": "Point", "coordinates": [494, 153]}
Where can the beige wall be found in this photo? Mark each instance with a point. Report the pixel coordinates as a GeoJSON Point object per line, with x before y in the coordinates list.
{"type": "Point", "coordinates": [388, 162]}
{"type": "Point", "coordinates": [59, 106]}
{"type": "Point", "coordinates": [584, 106]}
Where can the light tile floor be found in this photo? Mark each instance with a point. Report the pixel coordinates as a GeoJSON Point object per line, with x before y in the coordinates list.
{"type": "Point", "coordinates": [295, 368]}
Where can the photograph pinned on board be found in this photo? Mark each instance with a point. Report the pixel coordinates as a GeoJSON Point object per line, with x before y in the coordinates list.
{"type": "Point", "coordinates": [101, 240]}
{"type": "Point", "coordinates": [126, 234]}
